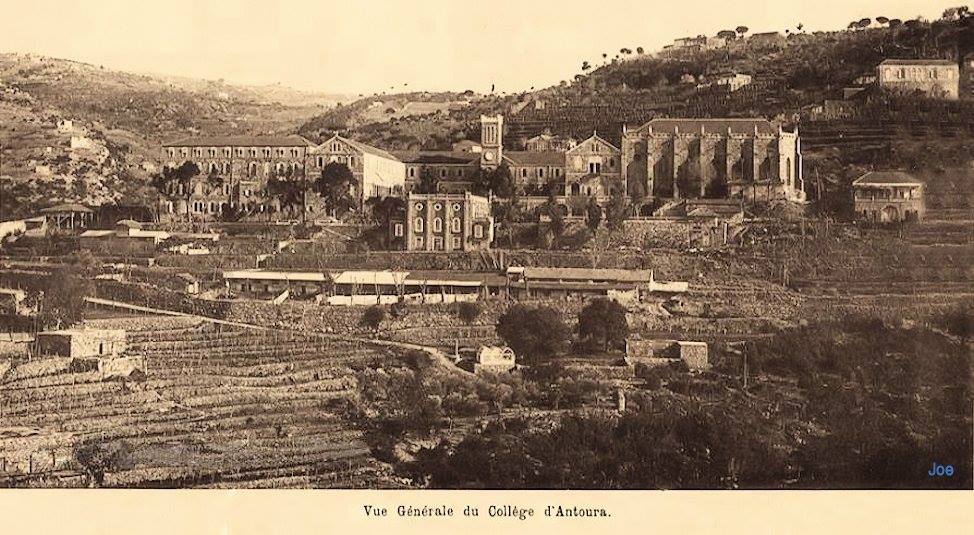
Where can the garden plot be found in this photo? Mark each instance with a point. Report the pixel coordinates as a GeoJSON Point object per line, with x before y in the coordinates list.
{"type": "Point", "coordinates": [223, 408]}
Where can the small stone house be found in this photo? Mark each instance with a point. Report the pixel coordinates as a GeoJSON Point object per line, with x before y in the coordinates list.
{"type": "Point", "coordinates": [82, 343]}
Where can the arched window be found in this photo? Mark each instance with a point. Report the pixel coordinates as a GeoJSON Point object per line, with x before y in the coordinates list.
{"type": "Point", "coordinates": [456, 224]}
{"type": "Point", "coordinates": [437, 225]}
{"type": "Point", "coordinates": [418, 224]}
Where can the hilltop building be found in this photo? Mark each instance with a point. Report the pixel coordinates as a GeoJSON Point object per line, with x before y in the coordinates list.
{"type": "Point", "coordinates": [888, 196]}
{"type": "Point", "coordinates": [938, 78]}
{"type": "Point", "coordinates": [712, 158]}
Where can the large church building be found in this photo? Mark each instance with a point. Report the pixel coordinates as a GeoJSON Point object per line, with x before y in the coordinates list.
{"type": "Point", "coordinates": [712, 158]}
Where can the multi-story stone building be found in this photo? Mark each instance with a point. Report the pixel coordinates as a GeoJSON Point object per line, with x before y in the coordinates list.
{"type": "Point", "coordinates": [377, 173]}
{"type": "Point", "coordinates": [888, 196]}
{"type": "Point", "coordinates": [593, 168]}
{"type": "Point", "coordinates": [444, 222]}
{"type": "Point", "coordinates": [712, 158]}
{"type": "Point", "coordinates": [234, 171]}
{"type": "Point", "coordinates": [452, 171]}
{"type": "Point", "coordinates": [938, 78]}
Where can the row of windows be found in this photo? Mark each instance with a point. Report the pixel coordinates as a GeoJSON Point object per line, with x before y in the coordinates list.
{"type": "Point", "coordinates": [920, 72]}
{"type": "Point", "coordinates": [444, 173]}
{"type": "Point", "coordinates": [420, 242]}
{"type": "Point", "coordinates": [419, 224]}
{"type": "Point", "coordinates": [227, 152]}
{"type": "Point", "coordinates": [437, 206]}
{"type": "Point", "coordinates": [540, 172]}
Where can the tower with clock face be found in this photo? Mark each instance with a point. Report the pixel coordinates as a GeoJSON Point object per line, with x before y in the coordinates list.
{"type": "Point", "coordinates": [492, 140]}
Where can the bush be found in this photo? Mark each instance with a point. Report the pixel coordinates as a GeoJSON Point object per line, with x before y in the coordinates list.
{"type": "Point", "coordinates": [534, 333]}
{"type": "Point", "coordinates": [602, 323]}
{"type": "Point", "coordinates": [468, 312]}
{"type": "Point", "coordinates": [372, 317]}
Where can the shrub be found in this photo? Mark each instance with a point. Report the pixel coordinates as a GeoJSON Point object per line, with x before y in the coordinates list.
{"type": "Point", "coordinates": [602, 323]}
{"type": "Point", "coordinates": [534, 333]}
{"type": "Point", "coordinates": [468, 312]}
{"type": "Point", "coordinates": [372, 317]}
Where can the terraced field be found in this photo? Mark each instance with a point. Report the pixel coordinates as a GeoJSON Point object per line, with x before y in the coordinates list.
{"type": "Point", "coordinates": [220, 408]}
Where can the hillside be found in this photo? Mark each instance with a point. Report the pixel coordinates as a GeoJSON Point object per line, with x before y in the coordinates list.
{"type": "Point", "coordinates": [790, 74]}
{"type": "Point", "coordinates": [118, 120]}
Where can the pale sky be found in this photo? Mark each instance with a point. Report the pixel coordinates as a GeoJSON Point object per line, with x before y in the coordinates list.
{"type": "Point", "coordinates": [366, 46]}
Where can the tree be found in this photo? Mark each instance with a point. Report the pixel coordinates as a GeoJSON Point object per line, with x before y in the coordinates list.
{"type": "Point", "coordinates": [468, 311]}
{"type": "Point", "coordinates": [534, 333]}
{"type": "Point", "coordinates": [864, 22]}
{"type": "Point", "coordinates": [335, 185]}
{"type": "Point", "coordinates": [593, 216]}
{"type": "Point", "coordinates": [556, 219]}
{"type": "Point", "coordinates": [586, 66]}
{"type": "Point", "coordinates": [882, 20]}
{"type": "Point", "coordinates": [639, 50]}
{"type": "Point", "coordinates": [602, 323]}
{"type": "Point", "coordinates": [741, 30]}
{"type": "Point", "coordinates": [63, 303]}
{"type": "Point", "coordinates": [384, 211]}
{"type": "Point", "coordinates": [728, 35]}
{"type": "Point", "coordinates": [428, 181]}
{"type": "Point", "coordinates": [172, 179]}
{"type": "Point", "coordinates": [372, 317]}
{"type": "Point", "coordinates": [97, 459]}
{"type": "Point", "coordinates": [616, 211]}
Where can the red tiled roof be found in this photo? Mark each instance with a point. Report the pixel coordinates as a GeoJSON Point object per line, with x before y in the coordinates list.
{"type": "Point", "coordinates": [438, 157]}
{"type": "Point", "coordinates": [293, 140]}
{"type": "Point", "coordinates": [552, 158]}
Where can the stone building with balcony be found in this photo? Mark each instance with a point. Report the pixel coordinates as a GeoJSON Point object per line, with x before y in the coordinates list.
{"type": "Point", "coordinates": [888, 197]}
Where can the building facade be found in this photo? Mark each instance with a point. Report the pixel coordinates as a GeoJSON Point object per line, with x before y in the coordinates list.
{"type": "Point", "coordinates": [593, 168]}
{"type": "Point", "coordinates": [445, 222]}
{"type": "Point", "coordinates": [888, 197]}
{"type": "Point", "coordinates": [712, 158]}
{"type": "Point", "coordinates": [234, 171]}
{"type": "Point", "coordinates": [452, 172]}
{"type": "Point", "coordinates": [936, 78]}
{"type": "Point", "coordinates": [377, 173]}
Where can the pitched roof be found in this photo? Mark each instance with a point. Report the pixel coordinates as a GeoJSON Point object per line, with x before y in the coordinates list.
{"type": "Point", "coordinates": [876, 178]}
{"type": "Point", "coordinates": [918, 62]}
{"type": "Point", "coordinates": [586, 274]}
{"type": "Point", "coordinates": [390, 278]}
{"type": "Point", "coordinates": [362, 147]}
{"type": "Point", "coordinates": [712, 126]}
{"type": "Point", "coordinates": [292, 140]}
{"type": "Point", "coordinates": [67, 207]}
{"type": "Point", "coordinates": [594, 137]}
{"type": "Point", "coordinates": [437, 157]}
{"type": "Point", "coordinates": [548, 157]}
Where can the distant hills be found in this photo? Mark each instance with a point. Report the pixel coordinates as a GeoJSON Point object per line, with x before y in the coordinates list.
{"type": "Point", "coordinates": [119, 119]}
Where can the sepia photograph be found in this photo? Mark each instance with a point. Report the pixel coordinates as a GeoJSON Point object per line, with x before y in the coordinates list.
{"type": "Point", "coordinates": [515, 245]}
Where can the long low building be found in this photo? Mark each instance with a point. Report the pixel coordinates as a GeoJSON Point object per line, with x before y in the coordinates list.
{"type": "Point", "coordinates": [369, 287]}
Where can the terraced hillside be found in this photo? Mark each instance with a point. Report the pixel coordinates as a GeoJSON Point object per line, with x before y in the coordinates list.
{"type": "Point", "coordinates": [220, 408]}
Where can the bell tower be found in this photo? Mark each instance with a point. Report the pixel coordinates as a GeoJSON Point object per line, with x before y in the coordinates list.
{"type": "Point", "coordinates": [492, 140]}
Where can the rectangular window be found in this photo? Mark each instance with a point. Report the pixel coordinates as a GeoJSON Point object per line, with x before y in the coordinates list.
{"type": "Point", "coordinates": [398, 230]}
{"type": "Point", "coordinates": [420, 243]}
{"type": "Point", "coordinates": [438, 244]}
{"type": "Point", "coordinates": [478, 231]}
{"type": "Point", "coordinates": [456, 242]}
